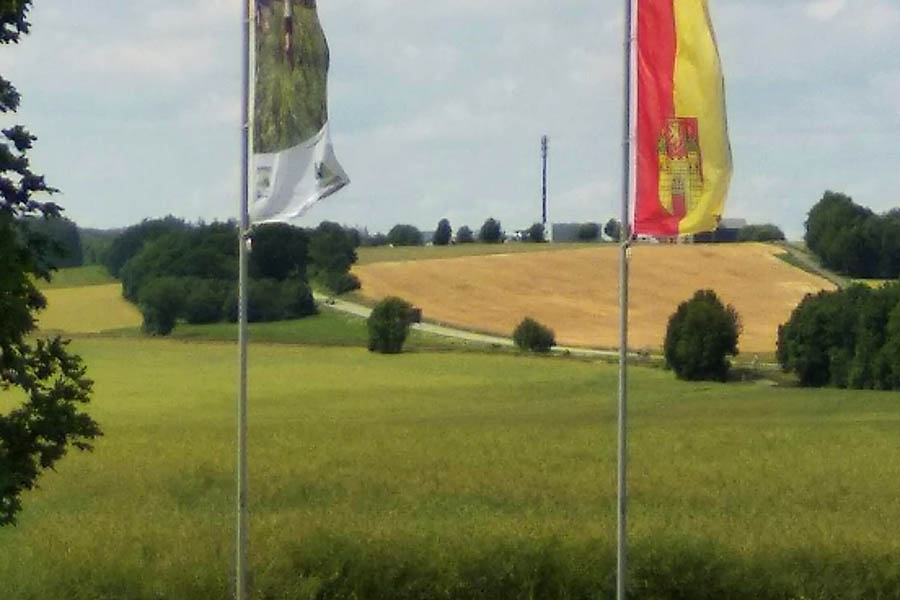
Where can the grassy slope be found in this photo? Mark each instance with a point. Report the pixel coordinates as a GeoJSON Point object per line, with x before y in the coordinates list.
{"type": "Point", "coordinates": [434, 475]}
{"type": "Point", "coordinates": [77, 277]}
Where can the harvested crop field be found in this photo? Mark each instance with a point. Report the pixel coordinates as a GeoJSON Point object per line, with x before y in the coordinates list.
{"type": "Point", "coordinates": [576, 291]}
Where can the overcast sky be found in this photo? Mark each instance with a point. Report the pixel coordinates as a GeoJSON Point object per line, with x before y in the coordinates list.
{"type": "Point", "coordinates": [437, 108]}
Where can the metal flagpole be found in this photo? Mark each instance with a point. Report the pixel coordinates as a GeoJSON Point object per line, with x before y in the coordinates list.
{"type": "Point", "coordinates": [243, 251]}
{"type": "Point", "coordinates": [625, 241]}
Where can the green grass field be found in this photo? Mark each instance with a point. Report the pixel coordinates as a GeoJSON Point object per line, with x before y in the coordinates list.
{"type": "Point", "coordinates": [463, 475]}
{"type": "Point", "coordinates": [78, 276]}
{"type": "Point", "coordinates": [328, 328]}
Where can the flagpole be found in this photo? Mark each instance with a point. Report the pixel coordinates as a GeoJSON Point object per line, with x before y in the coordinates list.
{"type": "Point", "coordinates": [243, 251]}
{"type": "Point", "coordinates": [624, 243]}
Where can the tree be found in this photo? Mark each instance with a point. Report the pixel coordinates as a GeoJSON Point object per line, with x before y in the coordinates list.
{"type": "Point", "coordinates": [443, 233]}
{"type": "Point", "coordinates": [279, 252]}
{"type": "Point", "coordinates": [536, 233]}
{"type": "Point", "coordinates": [388, 325]}
{"type": "Point", "coordinates": [331, 253]}
{"type": "Point", "coordinates": [533, 336]}
{"type": "Point", "coordinates": [588, 232]}
{"type": "Point", "coordinates": [405, 235]}
{"type": "Point", "coordinates": [65, 241]}
{"type": "Point", "coordinates": [35, 434]}
{"type": "Point", "coordinates": [491, 232]}
{"type": "Point", "coordinates": [464, 235]}
{"type": "Point", "coordinates": [613, 230]}
{"type": "Point", "coordinates": [700, 336]}
{"type": "Point", "coordinates": [760, 233]}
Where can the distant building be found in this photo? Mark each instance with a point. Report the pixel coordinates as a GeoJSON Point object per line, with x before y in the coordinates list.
{"type": "Point", "coordinates": [727, 231]}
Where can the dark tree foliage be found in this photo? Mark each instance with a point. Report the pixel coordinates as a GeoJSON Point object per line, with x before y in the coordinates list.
{"type": "Point", "coordinates": [374, 240]}
{"type": "Point", "coordinates": [760, 233]}
{"type": "Point", "coordinates": [64, 249]}
{"type": "Point", "coordinates": [202, 252]}
{"type": "Point", "coordinates": [190, 273]}
{"type": "Point", "coordinates": [132, 240]}
{"type": "Point", "coordinates": [36, 433]}
{"type": "Point", "coordinates": [491, 232]}
{"type": "Point", "coordinates": [388, 325]}
{"type": "Point", "coordinates": [536, 234]}
{"type": "Point", "coordinates": [588, 232]}
{"type": "Point", "coordinates": [532, 336]}
{"type": "Point", "coordinates": [405, 235]}
{"type": "Point", "coordinates": [443, 234]}
{"type": "Point", "coordinates": [613, 230]}
{"type": "Point", "coordinates": [847, 338]}
{"type": "Point", "coordinates": [464, 235]}
{"type": "Point", "coordinates": [701, 334]}
{"type": "Point", "coordinates": [853, 240]}
{"type": "Point", "coordinates": [279, 252]}
{"type": "Point", "coordinates": [331, 254]}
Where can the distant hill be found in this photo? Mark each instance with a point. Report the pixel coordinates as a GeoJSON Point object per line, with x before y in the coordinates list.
{"type": "Point", "coordinates": [576, 291]}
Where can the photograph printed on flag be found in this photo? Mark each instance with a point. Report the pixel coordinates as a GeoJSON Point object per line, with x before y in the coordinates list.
{"type": "Point", "coordinates": [294, 162]}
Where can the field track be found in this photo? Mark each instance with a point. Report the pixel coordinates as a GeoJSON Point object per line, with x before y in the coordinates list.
{"type": "Point", "coordinates": [576, 291]}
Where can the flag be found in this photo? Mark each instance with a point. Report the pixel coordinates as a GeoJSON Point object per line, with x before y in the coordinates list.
{"type": "Point", "coordinates": [293, 159]}
{"type": "Point", "coordinates": [683, 165]}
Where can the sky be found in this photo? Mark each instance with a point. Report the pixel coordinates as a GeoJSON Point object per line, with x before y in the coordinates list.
{"type": "Point", "coordinates": [437, 108]}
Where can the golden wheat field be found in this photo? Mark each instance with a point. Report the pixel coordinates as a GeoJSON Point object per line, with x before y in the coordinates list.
{"type": "Point", "coordinates": [576, 291]}
{"type": "Point", "coordinates": [88, 309]}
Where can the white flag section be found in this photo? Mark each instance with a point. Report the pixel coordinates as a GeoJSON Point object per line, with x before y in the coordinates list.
{"type": "Point", "coordinates": [289, 182]}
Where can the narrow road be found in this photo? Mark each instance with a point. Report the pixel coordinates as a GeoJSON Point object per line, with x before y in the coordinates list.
{"type": "Point", "coordinates": [470, 336]}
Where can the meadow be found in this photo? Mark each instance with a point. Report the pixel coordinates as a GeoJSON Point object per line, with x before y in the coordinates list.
{"type": "Point", "coordinates": [463, 475]}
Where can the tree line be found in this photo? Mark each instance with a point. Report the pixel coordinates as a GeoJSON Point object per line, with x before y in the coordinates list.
{"type": "Point", "coordinates": [176, 270]}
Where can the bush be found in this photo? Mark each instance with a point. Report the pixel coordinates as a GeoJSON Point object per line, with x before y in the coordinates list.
{"type": "Point", "coordinates": [203, 302]}
{"type": "Point", "coordinates": [701, 334]}
{"type": "Point", "coordinates": [464, 235]}
{"type": "Point", "coordinates": [760, 233]}
{"type": "Point", "coordinates": [389, 325]}
{"type": "Point", "coordinates": [613, 230]}
{"type": "Point", "coordinates": [161, 301]}
{"type": "Point", "coordinates": [405, 235]}
{"type": "Point", "coordinates": [534, 337]}
{"type": "Point", "coordinates": [340, 283]}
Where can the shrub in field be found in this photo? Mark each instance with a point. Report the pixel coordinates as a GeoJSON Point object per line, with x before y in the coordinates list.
{"type": "Point", "coordinates": [405, 235]}
{"type": "Point", "coordinates": [340, 283]}
{"type": "Point", "coordinates": [297, 299]}
{"type": "Point", "coordinates": [389, 325]}
{"type": "Point", "coordinates": [442, 234]}
{"type": "Point", "coordinates": [491, 232]}
{"type": "Point", "coordinates": [161, 300]}
{"type": "Point", "coordinates": [464, 235]}
{"type": "Point", "coordinates": [534, 337]}
{"type": "Point", "coordinates": [536, 233]}
{"type": "Point", "coordinates": [700, 336]}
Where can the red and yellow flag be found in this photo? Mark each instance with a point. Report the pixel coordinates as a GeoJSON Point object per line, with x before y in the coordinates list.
{"type": "Point", "coordinates": [683, 154]}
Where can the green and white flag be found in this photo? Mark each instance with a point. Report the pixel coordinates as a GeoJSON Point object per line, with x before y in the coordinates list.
{"type": "Point", "coordinates": [293, 160]}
